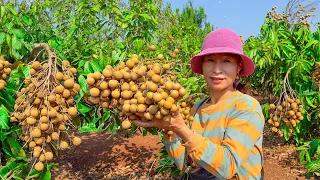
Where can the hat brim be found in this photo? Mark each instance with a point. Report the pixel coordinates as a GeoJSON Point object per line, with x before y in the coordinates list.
{"type": "Point", "coordinates": [247, 64]}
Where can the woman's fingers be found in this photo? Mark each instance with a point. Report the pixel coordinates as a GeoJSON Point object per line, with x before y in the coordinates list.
{"type": "Point", "coordinates": [145, 124]}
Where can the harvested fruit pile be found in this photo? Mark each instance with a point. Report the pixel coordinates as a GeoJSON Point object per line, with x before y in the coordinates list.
{"type": "Point", "coordinates": [45, 106]}
{"type": "Point", "coordinates": [138, 86]}
{"type": "Point", "coordinates": [288, 111]}
{"type": "Point", "coordinates": [5, 70]}
{"type": "Point", "coordinates": [316, 75]}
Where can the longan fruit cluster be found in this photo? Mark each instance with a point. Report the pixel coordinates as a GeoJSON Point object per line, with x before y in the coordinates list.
{"type": "Point", "coordinates": [44, 108]}
{"type": "Point", "coordinates": [316, 75]}
{"type": "Point", "coordinates": [288, 113]}
{"type": "Point", "coordinates": [134, 87]}
{"type": "Point", "coordinates": [5, 70]}
{"type": "Point", "coordinates": [161, 56]}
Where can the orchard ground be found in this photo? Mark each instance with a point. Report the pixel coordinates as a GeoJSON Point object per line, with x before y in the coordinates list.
{"type": "Point", "coordinates": [106, 156]}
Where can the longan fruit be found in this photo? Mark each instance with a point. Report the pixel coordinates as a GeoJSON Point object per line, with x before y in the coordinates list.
{"type": "Point", "coordinates": [103, 85]}
{"type": "Point", "coordinates": [96, 75]}
{"type": "Point", "coordinates": [36, 133]}
{"type": "Point", "coordinates": [160, 57]}
{"type": "Point", "coordinates": [152, 87]}
{"type": "Point", "coordinates": [174, 94]}
{"type": "Point", "coordinates": [4, 76]}
{"type": "Point", "coordinates": [59, 76]}
{"type": "Point", "coordinates": [2, 85]}
{"type": "Point", "coordinates": [113, 83]}
{"type": "Point", "coordinates": [7, 70]}
{"type": "Point", "coordinates": [182, 92]}
{"type": "Point", "coordinates": [107, 73]}
{"type": "Point", "coordinates": [90, 81]}
{"type": "Point", "coordinates": [62, 127]}
{"type": "Point", "coordinates": [36, 65]}
{"type": "Point", "coordinates": [64, 145]}
{"type": "Point", "coordinates": [115, 94]}
{"type": "Point", "coordinates": [52, 98]}
{"type": "Point", "coordinates": [156, 78]}
{"type": "Point", "coordinates": [141, 108]}
{"type": "Point", "coordinates": [69, 83]}
{"type": "Point", "coordinates": [94, 92]}
{"type": "Point", "coordinates": [168, 104]}
{"type": "Point", "coordinates": [49, 156]}
{"type": "Point", "coordinates": [76, 87]}
{"type": "Point", "coordinates": [44, 127]}
{"type": "Point", "coordinates": [39, 166]}
{"type": "Point", "coordinates": [126, 124]}
{"type": "Point", "coordinates": [152, 47]}
{"type": "Point", "coordinates": [31, 121]}
{"type": "Point", "coordinates": [55, 136]}
{"type": "Point", "coordinates": [148, 116]}
{"type": "Point", "coordinates": [153, 109]}
{"type": "Point", "coordinates": [76, 141]}
{"type": "Point", "coordinates": [34, 113]}
{"type": "Point", "coordinates": [72, 111]}
{"type": "Point", "coordinates": [126, 94]}
{"type": "Point", "coordinates": [52, 113]}
{"type": "Point", "coordinates": [166, 66]}
{"type": "Point", "coordinates": [32, 144]}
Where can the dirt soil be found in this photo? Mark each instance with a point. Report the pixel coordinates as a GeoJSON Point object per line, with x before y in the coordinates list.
{"type": "Point", "coordinates": [114, 157]}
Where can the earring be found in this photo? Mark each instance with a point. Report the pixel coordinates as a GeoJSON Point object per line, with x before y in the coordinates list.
{"type": "Point", "coordinates": [237, 77]}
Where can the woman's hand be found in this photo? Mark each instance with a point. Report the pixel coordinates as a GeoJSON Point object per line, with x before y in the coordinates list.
{"type": "Point", "coordinates": [175, 124]}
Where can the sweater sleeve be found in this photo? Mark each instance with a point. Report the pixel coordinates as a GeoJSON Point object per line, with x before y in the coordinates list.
{"type": "Point", "coordinates": [176, 151]}
{"type": "Point", "coordinates": [174, 145]}
{"type": "Point", "coordinates": [243, 130]}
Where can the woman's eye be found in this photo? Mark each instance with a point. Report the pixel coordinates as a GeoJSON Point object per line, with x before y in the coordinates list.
{"type": "Point", "coordinates": [227, 60]}
{"type": "Point", "coordinates": [210, 60]}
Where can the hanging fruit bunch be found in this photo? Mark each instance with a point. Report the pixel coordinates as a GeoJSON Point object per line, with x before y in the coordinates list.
{"type": "Point", "coordinates": [316, 74]}
{"type": "Point", "coordinates": [138, 86]}
{"type": "Point", "coordinates": [5, 70]}
{"type": "Point", "coordinates": [288, 111]}
{"type": "Point", "coordinates": [45, 107]}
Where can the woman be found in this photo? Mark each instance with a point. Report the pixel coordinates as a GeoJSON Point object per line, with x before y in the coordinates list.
{"type": "Point", "coordinates": [225, 138]}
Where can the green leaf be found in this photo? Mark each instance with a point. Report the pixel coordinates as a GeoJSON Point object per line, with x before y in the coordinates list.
{"type": "Point", "coordinates": [83, 108]}
{"type": "Point", "coordinates": [19, 34]}
{"type": "Point", "coordinates": [286, 51]}
{"type": "Point", "coordinates": [2, 11]}
{"type": "Point", "coordinates": [106, 115]}
{"type": "Point", "coordinates": [95, 120]}
{"type": "Point", "coordinates": [16, 43]}
{"type": "Point", "coordinates": [4, 119]}
{"type": "Point", "coordinates": [81, 63]}
{"type": "Point", "coordinates": [309, 102]}
{"type": "Point", "coordinates": [96, 8]}
{"type": "Point", "coordinates": [310, 44]}
{"type": "Point", "coordinates": [2, 37]}
{"type": "Point", "coordinates": [87, 68]}
{"type": "Point", "coordinates": [8, 38]}
{"type": "Point", "coordinates": [27, 20]}
{"type": "Point", "coordinates": [145, 16]}
{"type": "Point", "coordinates": [13, 11]}
{"type": "Point", "coordinates": [95, 66]}
{"type": "Point", "coordinates": [314, 147]}
{"type": "Point", "coordinates": [16, 148]}
{"type": "Point", "coordinates": [83, 83]}
{"type": "Point", "coordinates": [45, 175]}
{"type": "Point", "coordinates": [116, 10]}
{"type": "Point", "coordinates": [124, 25]}
{"type": "Point", "coordinates": [26, 71]}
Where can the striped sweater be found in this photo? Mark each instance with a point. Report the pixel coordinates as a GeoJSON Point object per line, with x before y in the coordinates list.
{"type": "Point", "coordinates": [227, 139]}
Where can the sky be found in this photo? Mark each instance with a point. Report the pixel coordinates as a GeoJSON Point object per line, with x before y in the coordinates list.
{"type": "Point", "coordinates": [245, 17]}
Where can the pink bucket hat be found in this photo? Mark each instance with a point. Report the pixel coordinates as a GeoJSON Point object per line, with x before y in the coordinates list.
{"type": "Point", "coordinates": [222, 40]}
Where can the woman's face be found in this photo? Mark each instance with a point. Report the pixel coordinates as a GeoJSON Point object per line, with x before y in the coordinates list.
{"type": "Point", "coordinates": [220, 71]}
